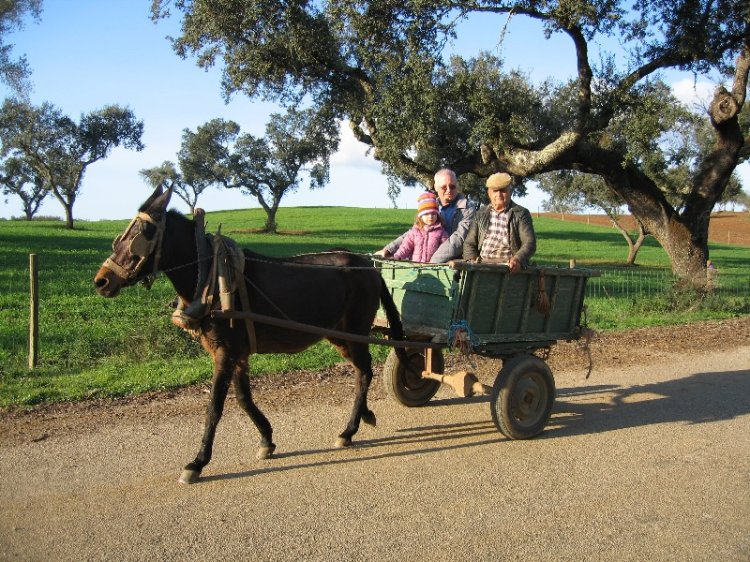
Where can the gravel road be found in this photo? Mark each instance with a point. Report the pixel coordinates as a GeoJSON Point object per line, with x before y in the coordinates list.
{"type": "Point", "coordinates": [648, 459]}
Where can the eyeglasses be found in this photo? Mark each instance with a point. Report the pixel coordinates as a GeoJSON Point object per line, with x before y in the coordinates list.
{"type": "Point", "coordinates": [503, 190]}
{"type": "Point", "coordinates": [449, 187]}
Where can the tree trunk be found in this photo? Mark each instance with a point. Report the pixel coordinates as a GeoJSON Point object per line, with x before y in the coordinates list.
{"type": "Point", "coordinates": [69, 217]}
{"type": "Point", "coordinates": [633, 245]}
{"type": "Point", "coordinates": [67, 204]}
{"type": "Point", "coordinates": [684, 237]}
{"type": "Point", "coordinates": [687, 248]}
{"type": "Point", "coordinates": [271, 225]}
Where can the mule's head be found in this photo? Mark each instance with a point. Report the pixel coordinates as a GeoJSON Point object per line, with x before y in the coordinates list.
{"type": "Point", "coordinates": [135, 252]}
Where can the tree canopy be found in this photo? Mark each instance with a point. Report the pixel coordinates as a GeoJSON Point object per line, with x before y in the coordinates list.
{"type": "Point", "coordinates": [58, 150]}
{"type": "Point", "coordinates": [382, 65]}
{"type": "Point", "coordinates": [15, 71]}
{"type": "Point", "coordinates": [266, 168]}
{"type": "Point", "coordinates": [18, 178]}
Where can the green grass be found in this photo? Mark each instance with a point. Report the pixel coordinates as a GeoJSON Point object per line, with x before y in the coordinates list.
{"type": "Point", "coordinates": [95, 347]}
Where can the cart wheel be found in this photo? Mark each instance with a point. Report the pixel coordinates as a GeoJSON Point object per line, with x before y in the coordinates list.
{"type": "Point", "coordinates": [522, 397]}
{"type": "Point", "coordinates": [407, 386]}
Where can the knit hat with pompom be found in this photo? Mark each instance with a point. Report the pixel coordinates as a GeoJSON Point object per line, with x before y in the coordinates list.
{"type": "Point", "coordinates": [426, 204]}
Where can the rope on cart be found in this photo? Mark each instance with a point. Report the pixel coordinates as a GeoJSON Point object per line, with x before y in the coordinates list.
{"type": "Point", "coordinates": [461, 337]}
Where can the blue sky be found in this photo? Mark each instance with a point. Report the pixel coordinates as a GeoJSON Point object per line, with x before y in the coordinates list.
{"type": "Point", "coordinates": [86, 54]}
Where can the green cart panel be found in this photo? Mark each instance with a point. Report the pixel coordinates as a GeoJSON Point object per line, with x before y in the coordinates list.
{"type": "Point", "coordinates": [536, 306]}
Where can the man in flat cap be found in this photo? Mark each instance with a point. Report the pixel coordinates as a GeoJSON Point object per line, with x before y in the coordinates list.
{"type": "Point", "coordinates": [502, 231]}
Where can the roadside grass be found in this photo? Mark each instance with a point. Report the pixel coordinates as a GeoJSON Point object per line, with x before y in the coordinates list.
{"type": "Point", "coordinates": [95, 347]}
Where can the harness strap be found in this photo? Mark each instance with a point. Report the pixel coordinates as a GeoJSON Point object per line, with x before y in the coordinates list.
{"type": "Point", "coordinates": [160, 227]}
{"type": "Point", "coordinates": [223, 279]}
{"type": "Point", "coordinates": [112, 265]}
{"type": "Point", "coordinates": [249, 324]}
{"type": "Point", "coordinates": [202, 246]}
{"type": "Point", "coordinates": [230, 276]}
{"type": "Point", "coordinates": [542, 300]}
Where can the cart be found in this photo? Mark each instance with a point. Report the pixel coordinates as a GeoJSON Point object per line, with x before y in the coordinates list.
{"type": "Point", "coordinates": [481, 308]}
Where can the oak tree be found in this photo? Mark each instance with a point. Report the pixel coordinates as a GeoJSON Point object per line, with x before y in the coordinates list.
{"type": "Point", "coordinates": [295, 144]}
{"type": "Point", "coordinates": [382, 64]}
{"type": "Point", "coordinates": [58, 149]}
{"type": "Point", "coordinates": [18, 178]}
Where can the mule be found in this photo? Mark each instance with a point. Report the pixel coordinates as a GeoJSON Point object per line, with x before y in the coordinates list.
{"type": "Point", "coordinates": [336, 290]}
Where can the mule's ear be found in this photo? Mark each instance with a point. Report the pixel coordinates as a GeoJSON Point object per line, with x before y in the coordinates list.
{"type": "Point", "coordinates": [157, 202]}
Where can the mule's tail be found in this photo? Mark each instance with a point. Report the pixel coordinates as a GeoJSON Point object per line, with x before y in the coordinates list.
{"type": "Point", "coordinates": [394, 322]}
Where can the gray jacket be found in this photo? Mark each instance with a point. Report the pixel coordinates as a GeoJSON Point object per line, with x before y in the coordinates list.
{"type": "Point", "coordinates": [520, 230]}
{"type": "Point", "coordinates": [457, 229]}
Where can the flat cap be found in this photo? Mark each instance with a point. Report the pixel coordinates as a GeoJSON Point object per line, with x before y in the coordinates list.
{"type": "Point", "coordinates": [500, 180]}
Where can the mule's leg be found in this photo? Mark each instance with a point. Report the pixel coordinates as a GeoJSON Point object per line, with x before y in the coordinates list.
{"type": "Point", "coordinates": [359, 356]}
{"type": "Point", "coordinates": [219, 387]}
{"type": "Point", "coordinates": [245, 399]}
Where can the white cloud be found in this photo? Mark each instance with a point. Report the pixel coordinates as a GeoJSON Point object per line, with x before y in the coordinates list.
{"type": "Point", "coordinates": [353, 153]}
{"type": "Point", "coordinates": [693, 93]}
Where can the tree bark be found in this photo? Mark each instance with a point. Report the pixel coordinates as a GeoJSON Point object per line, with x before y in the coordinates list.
{"type": "Point", "coordinates": [271, 226]}
{"type": "Point", "coordinates": [68, 216]}
{"type": "Point", "coordinates": [633, 245]}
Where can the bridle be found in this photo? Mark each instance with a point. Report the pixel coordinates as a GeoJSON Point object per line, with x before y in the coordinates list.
{"type": "Point", "coordinates": [140, 247]}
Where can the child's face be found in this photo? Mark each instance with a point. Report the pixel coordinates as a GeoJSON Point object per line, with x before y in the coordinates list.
{"type": "Point", "coordinates": [430, 218]}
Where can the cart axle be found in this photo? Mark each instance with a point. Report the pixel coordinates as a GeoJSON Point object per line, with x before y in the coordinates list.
{"type": "Point", "coordinates": [463, 383]}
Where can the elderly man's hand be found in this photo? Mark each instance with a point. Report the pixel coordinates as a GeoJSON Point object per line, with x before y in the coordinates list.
{"type": "Point", "coordinates": [514, 265]}
{"type": "Point", "coordinates": [382, 253]}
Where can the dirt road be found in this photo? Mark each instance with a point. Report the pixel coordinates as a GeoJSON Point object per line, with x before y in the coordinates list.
{"type": "Point", "coordinates": [648, 459]}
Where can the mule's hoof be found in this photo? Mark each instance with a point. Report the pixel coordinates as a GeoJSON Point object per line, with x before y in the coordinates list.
{"type": "Point", "coordinates": [189, 476]}
{"type": "Point", "coordinates": [343, 443]}
{"type": "Point", "coordinates": [265, 453]}
{"type": "Point", "coordinates": [369, 418]}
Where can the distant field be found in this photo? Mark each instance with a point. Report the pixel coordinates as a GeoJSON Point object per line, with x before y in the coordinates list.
{"type": "Point", "coordinates": [94, 347]}
{"type": "Point", "coordinates": [725, 227]}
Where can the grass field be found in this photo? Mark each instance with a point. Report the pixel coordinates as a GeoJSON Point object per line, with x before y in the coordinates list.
{"type": "Point", "coordinates": [94, 347]}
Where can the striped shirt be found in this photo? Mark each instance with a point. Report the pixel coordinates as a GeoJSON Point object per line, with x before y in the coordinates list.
{"type": "Point", "coordinates": [496, 243]}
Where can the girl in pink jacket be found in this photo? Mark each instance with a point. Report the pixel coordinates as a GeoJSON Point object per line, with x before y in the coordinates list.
{"type": "Point", "coordinates": [423, 239]}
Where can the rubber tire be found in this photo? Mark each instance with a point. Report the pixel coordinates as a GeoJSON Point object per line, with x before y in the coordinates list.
{"type": "Point", "coordinates": [409, 388]}
{"type": "Point", "coordinates": [522, 397]}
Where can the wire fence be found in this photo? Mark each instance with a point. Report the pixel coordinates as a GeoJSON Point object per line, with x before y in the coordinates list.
{"type": "Point", "coordinates": [79, 328]}
{"type": "Point", "coordinates": [618, 283]}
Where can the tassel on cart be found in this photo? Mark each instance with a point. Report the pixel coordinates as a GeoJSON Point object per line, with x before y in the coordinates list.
{"type": "Point", "coordinates": [542, 300]}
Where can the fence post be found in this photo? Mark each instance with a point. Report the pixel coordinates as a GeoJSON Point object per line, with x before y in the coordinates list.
{"type": "Point", "coordinates": [33, 311]}
{"type": "Point", "coordinates": [572, 263]}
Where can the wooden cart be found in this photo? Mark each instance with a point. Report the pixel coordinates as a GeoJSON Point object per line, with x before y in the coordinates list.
{"type": "Point", "coordinates": [483, 309]}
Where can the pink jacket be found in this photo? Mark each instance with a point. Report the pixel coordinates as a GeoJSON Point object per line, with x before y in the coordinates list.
{"type": "Point", "coordinates": [419, 244]}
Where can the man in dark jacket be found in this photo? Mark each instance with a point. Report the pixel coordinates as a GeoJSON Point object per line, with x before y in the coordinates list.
{"type": "Point", "coordinates": [455, 211]}
{"type": "Point", "coordinates": [502, 231]}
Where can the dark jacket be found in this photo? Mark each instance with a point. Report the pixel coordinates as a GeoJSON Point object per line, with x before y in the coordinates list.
{"type": "Point", "coordinates": [520, 230]}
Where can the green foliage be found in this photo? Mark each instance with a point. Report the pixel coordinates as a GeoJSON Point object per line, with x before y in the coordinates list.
{"type": "Point", "coordinates": [17, 178]}
{"type": "Point", "coordinates": [56, 151]}
{"type": "Point", "coordinates": [266, 168]}
{"type": "Point", "coordinates": [386, 66]}
{"type": "Point", "coordinates": [15, 72]}
{"type": "Point", "coordinates": [96, 347]}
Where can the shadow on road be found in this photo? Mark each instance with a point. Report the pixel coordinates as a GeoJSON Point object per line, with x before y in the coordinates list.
{"type": "Point", "coordinates": [444, 436]}
{"type": "Point", "coordinates": [699, 398]}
